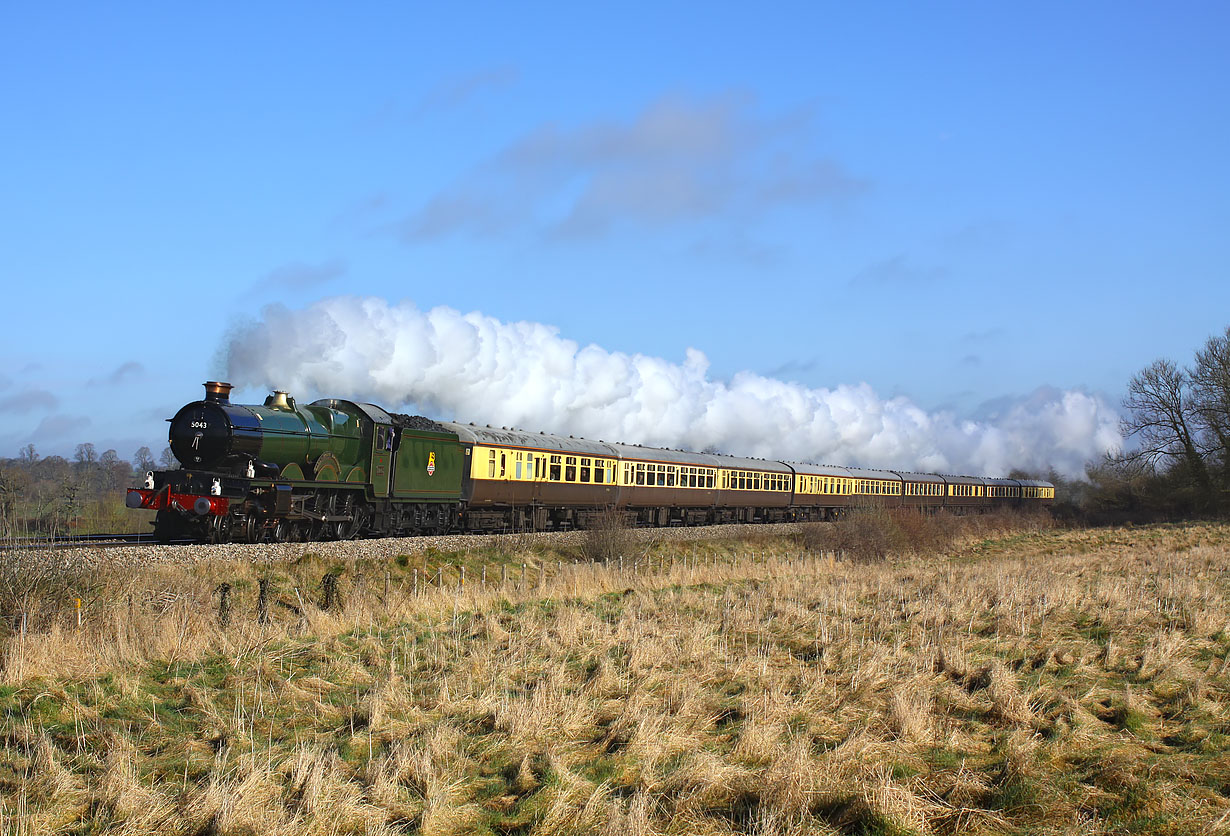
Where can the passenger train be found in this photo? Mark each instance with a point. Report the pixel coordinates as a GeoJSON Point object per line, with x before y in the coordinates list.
{"type": "Point", "coordinates": [338, 469]}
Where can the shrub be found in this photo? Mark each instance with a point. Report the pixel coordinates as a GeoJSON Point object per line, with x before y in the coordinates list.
{"type": "Point", "coordinates": [606, 538]}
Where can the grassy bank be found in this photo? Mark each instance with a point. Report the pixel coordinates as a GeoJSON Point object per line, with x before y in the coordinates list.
{"type": "Point", "coordinates": [1026, 681]}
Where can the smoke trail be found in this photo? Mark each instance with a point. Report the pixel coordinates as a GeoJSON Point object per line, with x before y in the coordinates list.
{"type": "Point", "coordinates": [472, 367]}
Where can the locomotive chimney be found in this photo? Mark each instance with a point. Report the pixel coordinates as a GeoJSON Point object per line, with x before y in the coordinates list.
{"type": "Point", "coordinates": [278, 400]}
{"type": "Point", "coordinates": [218, 392]}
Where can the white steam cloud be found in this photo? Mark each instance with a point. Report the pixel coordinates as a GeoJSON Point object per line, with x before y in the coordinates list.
{"type": "Point", "coordinates": [472, 367]}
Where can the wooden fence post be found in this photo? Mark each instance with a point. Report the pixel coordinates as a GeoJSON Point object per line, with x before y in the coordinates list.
{"type": "Point", "coordinates": [262, 602]}
{"type": "Point", "coordinates": [224, 605]}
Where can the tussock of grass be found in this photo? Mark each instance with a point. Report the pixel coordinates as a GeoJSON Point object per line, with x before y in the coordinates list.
{"type": "Point", "coordinates": [1057, 682]}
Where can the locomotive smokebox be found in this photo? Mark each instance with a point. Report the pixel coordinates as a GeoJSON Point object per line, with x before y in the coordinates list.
{"type": "Point", "coordinates": [218, 392]}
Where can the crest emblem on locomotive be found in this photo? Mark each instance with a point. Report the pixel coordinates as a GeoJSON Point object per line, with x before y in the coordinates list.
{"type": "Point", "coordinates": [431, 464]}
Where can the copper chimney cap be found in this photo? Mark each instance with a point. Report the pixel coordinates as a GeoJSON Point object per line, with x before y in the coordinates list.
{"type": "Point", "coordinates": [218, 392]}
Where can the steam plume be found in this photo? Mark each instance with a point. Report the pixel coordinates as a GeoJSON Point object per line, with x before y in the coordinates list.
{"type": "Point", "coordinates": [472, 367]}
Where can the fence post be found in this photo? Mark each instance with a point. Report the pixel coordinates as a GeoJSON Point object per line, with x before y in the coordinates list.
{"type": "Point", "coordinates": [387, 580]}
{"type": "Point", "coordinates": [416, 581]}
{"type": "Point", "coordinates": [262, 602]}
{"type": "Point", "coordinates": [484, 576]}
{"type": "Point", "coordinates": [503, 575]}
{"type": "Point", "coordinates": [523, 575]}
{"type": "Point", "coordinates": [328, 588]}
{"type": "Point", "coordinates": [224, 605]}
{"type": "Point", "coordinates": [461, 580]}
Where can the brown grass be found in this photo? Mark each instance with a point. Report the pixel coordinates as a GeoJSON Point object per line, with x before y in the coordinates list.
{"type": "Point", "coordinates": [1040, 681]}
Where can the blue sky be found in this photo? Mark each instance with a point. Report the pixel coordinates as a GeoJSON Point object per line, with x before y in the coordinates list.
{"type": "Point", "coordinates": [961, 205]}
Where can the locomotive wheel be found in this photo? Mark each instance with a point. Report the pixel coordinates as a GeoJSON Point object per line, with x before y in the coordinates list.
{"type": "Point", "coordinates": [219, 530]}
{"type": "Point", "coordinates": [284, 531]}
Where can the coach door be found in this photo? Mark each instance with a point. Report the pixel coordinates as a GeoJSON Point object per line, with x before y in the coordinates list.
{"type": "Point", "coordinates": [382, 454]}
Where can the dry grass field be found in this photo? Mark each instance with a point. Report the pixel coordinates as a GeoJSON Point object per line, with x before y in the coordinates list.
{"type": "Point", "coordinates": [1028, 681]}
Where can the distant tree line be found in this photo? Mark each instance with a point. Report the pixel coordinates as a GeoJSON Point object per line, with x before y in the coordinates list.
{"type": "Point", "coordinates": [1177, 463]}
{"type": "Point", "coordinates": [53, 495]}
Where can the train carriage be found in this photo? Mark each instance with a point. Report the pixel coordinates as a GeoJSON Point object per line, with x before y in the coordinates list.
{"type": "Point", "coordinates": [965, 493]}
{"type": "Point", "coordinates": [754, 490]}
{"type": "Point", "coordinates": [821, 491]}
{"type": "Point", "coordinates": [922, 490]}
{"type": "Point", "coordinates": [1037, 494]}
{"type": "Point", "coordinates": [524, 481]}
{"type": "Point", "coordinates": [659, 486]}
{"type": "Point", "coordinates": [1003, 493]}
{"type": "Point", "coordinates": [876, 487]}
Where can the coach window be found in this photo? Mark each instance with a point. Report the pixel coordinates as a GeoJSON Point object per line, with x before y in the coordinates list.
{"type": "Point", "coordinates": [661, 476]}
{"type": "Point", "coordinates": [570, 468]}
{"type": "Point", "coordinates": [556, 461]}
{"type": "Point", "coordinates": [517, 465]}
{"type": "Point", "coordinates": [585, 463]}
{"type": "Point", "coordinates": [670, 475]}
{"type": "Point", "coordinates": [640, 474]}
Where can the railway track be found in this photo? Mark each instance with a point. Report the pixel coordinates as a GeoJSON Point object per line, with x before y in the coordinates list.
{"type": "Point", "coordinates": [77, 541]}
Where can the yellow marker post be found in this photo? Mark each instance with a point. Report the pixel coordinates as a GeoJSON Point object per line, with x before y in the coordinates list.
{"type": "Point", "coordinates": [77, 606]}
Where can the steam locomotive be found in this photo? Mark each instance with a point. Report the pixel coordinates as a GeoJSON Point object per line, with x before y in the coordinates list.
{"type": "Point", "coordinates": [339, 469]}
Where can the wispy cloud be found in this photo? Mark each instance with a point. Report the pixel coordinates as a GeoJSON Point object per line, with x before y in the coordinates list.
{"type": "Point", "coordinates": [898, 271]}
{"type": "Point", "coordinates": [300, 276]}
{"type": "Point", "coordinates": [677, 160]}
{"type": "Point", "coordinates": [60, 427]}
{"type": "Point", "coordinates": [455, 91]}
{"type": "Point", "coordinates": [30, 400]}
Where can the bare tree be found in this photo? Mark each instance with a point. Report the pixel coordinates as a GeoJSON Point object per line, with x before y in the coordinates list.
{"type": "Point", "coordinates": [167, 459]}
{"type": "Point", "coordinates": [86, 454]}
{"type": "Point", "coordinates": [28, 454]}
{"type": "Point", "coordinates": [1161, 414]}
{"type": "Point", "coordinates": [143, 459]}
{"type": "Point", "coordinates": [1210, 379]}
